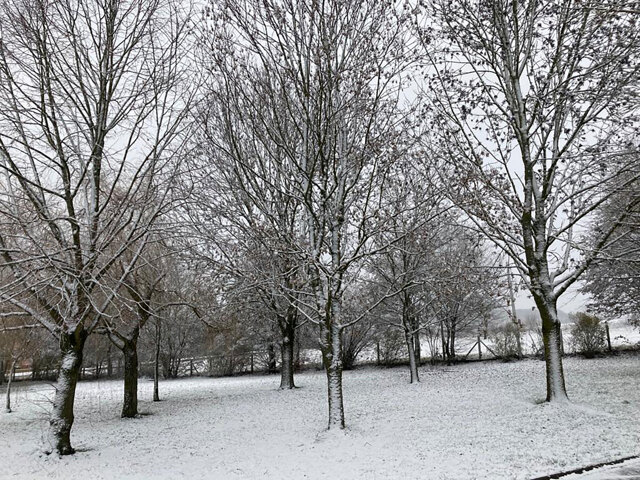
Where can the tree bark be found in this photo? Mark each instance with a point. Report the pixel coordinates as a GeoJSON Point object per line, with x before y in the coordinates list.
{"type": "Point", "coordinates": [518, 341]}
{"type": "Point", "coordinates": [297, 364]}
{"type": "Point", "coordinates": [413, 366]}
{"type": "Point", "coordinates": [71, 348]}
{"type": "Point", "coordinates": [271, 358]}
{"type": "Point", "coordinates": [417, 348]}
{"type": "Point", "coordinates": [286, 371]}
{"type": "Point", "coordinates": [331, 357]}
{"type": "Point", "coordinates": [287, 326]}
{"type": "Point", "coordinates": [12, 372]}
{"type": "Point", "coordinates": [445, 343]}
{"type": "Point", "coordinates": [410, 331]}
{"type": "Point", "coordinates": [452, 343]}
{"type": "Point", "coordinates": [514, 313]}
{"type": "Point", "coordinates": [109, 363]}
{"type": "Point", "coordinates": [156, 366]}
{"type": "Point", "coordinates": [130, 405]}
{"type": "Point", "coordinates": [552, 337]}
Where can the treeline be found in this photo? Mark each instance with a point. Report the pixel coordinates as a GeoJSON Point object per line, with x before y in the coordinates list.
{"type": "Point", "coordinates": [234, 176]}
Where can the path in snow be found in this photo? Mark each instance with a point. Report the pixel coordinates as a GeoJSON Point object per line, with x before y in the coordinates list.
{"type": "Point", "coordinates": [629, 470]}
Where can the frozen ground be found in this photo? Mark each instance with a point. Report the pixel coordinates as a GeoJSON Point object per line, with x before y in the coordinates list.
{"type": "Point", "coordinates": [471, 421]}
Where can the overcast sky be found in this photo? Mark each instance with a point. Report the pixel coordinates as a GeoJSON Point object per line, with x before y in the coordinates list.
{"type": "Point", "coordinates": [570, 301]}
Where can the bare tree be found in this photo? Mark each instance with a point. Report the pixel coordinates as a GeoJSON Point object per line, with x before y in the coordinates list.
{"type": "Point", "coordinates": [336, 69]}
{"type": "Point", "coordinates": [613, 280]}
{"type": "Point", "coordinates": [137, 304]}
{"type": "Point", "coordinates": [247, 222]}
{"type": "Point", "coordinates": [464, 287]}
{"type": "Point", "coordinates": [92, 112]}
{"type": "Point", "coordinates": [414, 230]}
{"type": "Point", "coordinates": [358, 336]}
{"type": "Point", "coordinates": [18, 338]}
{"type": "Point", "coordinates": [530, 99]}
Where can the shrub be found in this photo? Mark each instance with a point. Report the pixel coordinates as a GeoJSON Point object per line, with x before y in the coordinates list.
{"type": "Point", "coordinates": [588, 334]}
{"type": "Point", "coordinates": [391, 346]}
{"type": "Point", "coordinates": [505, 341]}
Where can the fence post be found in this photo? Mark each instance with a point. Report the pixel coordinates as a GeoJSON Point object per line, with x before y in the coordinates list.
{"type": "Point", "coordinates": [606, 327]}
{"type": "Point", "coordinates": [479, 349]}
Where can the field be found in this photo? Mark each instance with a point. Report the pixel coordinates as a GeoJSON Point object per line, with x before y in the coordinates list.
{"type": "Point", "coordinates": [468, 421]}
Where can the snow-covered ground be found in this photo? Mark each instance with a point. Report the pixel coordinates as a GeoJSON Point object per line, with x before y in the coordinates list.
{"type": "Point", "coordinates": [623, 334]}
{"type": "Point", "coordinates": [471, 421]}
{"type": "Point", "coordinates": [628, 470]}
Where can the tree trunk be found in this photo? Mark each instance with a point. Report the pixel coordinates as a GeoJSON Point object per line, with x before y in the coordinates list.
{"type": "Point", "coordinates": [286, 371]}
{"type": "Point", "coordinates": [514, 313]}
{"type": "Point", "coordinates": [71, 349]}
{"type": "Point", "coordinates": [271, 358]}
{"type": "Point", "coordinates": [413, 366]}
{"type": "Point", "coordinates": [417, 348]}
{"type": "Point", "coordinates": [166, 366]}
{"type": "Point", "coordinates": [445, 343]}
{"type": "Point", "coordinates": [297, 360]}
{"type": "Point", "coordinates": [287, 326]}
{"type": "Point", "coordinates": [2, 371]}
{"type": "Point", "coordinates": [552, 336]}
{"type": "Point", "coordinates": [156, 366]}
{"type": "Point", "coordinates": [411, 324]}
{"type": "Point", "coordinates": [130, 405]}
{"type": "Point", "coordinates": [452, 343]}
{"type": "Point", "coordinates": [109, 363]}
{"type": "Point", "coordinates": [12, 372]}
{"type": "Point", "coordinates": [331, 357]}
{"type": "Point", "coordinates": [518, 341]}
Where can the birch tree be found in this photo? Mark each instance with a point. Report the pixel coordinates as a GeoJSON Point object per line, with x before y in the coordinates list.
{"type": "Point", "coordinates": [529, 101]}
{"type": "Point", "coordinates": [93, 111]}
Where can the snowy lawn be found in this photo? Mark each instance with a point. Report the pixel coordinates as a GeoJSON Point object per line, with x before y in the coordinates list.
{"type": "Point", "coordinates": [471, 421]}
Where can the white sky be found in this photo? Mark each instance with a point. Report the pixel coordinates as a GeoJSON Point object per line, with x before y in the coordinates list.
{"type": "Point", "coordinates": [571, 301]}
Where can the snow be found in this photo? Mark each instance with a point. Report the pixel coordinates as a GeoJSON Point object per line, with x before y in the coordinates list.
{"type": "Point", "coordinates": [629, 470]}
{"type": "Point", "coordinates": [623, 334]}
{"type": "Point", "coordinates": [469, 421]}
